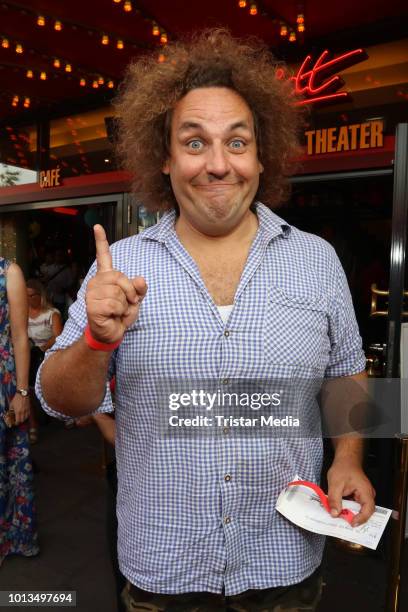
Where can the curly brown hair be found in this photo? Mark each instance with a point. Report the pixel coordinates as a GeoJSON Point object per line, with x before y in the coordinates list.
{"type": "Point", "coordinates": [212, 58]}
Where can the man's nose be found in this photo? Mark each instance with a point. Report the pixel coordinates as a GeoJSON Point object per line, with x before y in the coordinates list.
{"type": "Point", "coordinates": [217, 162]}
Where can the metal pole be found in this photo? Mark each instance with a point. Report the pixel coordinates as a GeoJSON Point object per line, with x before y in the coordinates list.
{"type": "Point", "coordinates": [399, 244]}
{"type": "Point", "coordinates": [395, 308]}
{"type": "Point", "coordinates": [398, 524]}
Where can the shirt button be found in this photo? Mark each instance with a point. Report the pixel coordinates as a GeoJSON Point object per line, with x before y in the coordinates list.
{"type": "Point", "coordinates": [227, 477]}
{"type": "Point", "coordinates": [227, 520]}
{"type": "Point", "coordinates": [227, 333]}
{"type": "Point", "coordinates": [226, 430]}
{"type": "Point", "coordinates": [225, 381]}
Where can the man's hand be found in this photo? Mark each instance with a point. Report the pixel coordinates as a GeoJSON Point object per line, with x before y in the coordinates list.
{"type": "Point", "coordinates": [21, 407]}
{"type": "Point", "coordinates": [112, 299]}
{"type": "Point", "coordinates": [346, 478]}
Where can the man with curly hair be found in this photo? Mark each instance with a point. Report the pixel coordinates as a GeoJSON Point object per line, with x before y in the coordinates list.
{"type": "Point", "coordinates": [235, 294]}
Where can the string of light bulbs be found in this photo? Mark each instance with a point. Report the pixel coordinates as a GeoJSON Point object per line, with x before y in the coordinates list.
{"type": "Point", "coordinates": [105, 39]}
{"type": "Point", "coordinates": [286, 31]}
{"type": "Point", "coordinates": [157, 30]}
{"type": "Point", "coordinates": [42, 20]}
{"type": "Point", "coordinates": [85, 78]}
{"type": "Point", "coordinates": [16, 99]}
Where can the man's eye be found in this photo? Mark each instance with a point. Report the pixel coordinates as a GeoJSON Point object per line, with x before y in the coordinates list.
{"type": "Point", "coordinates": [237, 144]}
{"type": "Point", "coordinates": [195, 145]}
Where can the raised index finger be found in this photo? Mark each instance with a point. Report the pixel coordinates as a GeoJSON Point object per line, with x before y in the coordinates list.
{"type": "Point", "coordinates": [103, 254]}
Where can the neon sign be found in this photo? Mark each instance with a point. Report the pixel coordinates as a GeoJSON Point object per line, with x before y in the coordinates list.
{"type": "Point", "coordinates": [317, 83]}
{"type": "Point", "coordinates": [368, 135]}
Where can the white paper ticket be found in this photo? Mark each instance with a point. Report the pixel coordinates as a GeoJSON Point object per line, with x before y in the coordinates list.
{"type": "Point", "coordinates": [303, 507]}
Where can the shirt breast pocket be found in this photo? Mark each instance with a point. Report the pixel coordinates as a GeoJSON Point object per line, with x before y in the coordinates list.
{"type": "Point", "coordinates": [296, 328]}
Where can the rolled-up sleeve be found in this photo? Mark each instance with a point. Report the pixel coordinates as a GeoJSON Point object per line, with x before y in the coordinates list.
{"type": "Point", "coordinates": [73, 330]}
{"type": "Point", "coordinates": [346, 355]}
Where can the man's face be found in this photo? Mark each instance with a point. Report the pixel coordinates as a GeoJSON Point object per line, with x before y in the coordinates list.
{"type": "Point", "coordinates": [213, 163]}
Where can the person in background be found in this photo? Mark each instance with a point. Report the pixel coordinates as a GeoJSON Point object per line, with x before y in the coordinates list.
{"type": "Point", "coordinates": [44, 325]}
{"type": "Point", "coordinates": [48, 268]}
{"type": "Point", "coordinates": [59, 282]}
{"type": "Point", "coordinates": [18, 532]}
{"type": "Point", "coordinates": [106, 425]}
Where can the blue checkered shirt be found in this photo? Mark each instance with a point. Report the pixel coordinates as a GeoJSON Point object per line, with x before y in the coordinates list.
{"type": "Point", "coordinates": [184, 526]}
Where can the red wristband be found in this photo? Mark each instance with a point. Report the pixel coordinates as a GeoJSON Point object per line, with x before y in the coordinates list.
{"type": "Point", "coordinates": [345, 513]}
{"type": "Point", "coordinates": [99, 346]}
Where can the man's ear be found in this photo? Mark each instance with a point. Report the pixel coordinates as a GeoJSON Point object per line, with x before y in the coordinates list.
{"type": "Point", "coordinates": [261, 168]}
{"type": "Point", "coordinates": [166, 167]}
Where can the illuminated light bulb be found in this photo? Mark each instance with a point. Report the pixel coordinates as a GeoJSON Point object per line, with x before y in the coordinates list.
{"type": "Point", "coordinates": [101, 80]}
{"type": "Point", "coordinates": [120, 44]}
{"type": "Point", "coordinates": [57, 63]}
{"type": "Point", "coordinates": [43, 76]}
{"type": "Point", "coordinates": [301, 27]}
{"type": "Point", "coordinates": [253, 9]}
{"type": "Point", "coordinates": [15, 100]}
{"type": "Point", "coordinates": [127, 6]}
{"type": "Point", "coordinates": [29, 74]}
{"type": "Point", "coordinates": [58, 26]}
{"type": "Point", "coordinates": [117, 1]}
{"type": "Point", "coordinates": [5, 43]}
{"type": "Point", "coordinates": [41, 20]}
{"type": "Point", "coordinates": [105, 39]}
{"type": "Point", "coordinates": [163, 38]}
{"type": "Point", "coordinates": [292, 36]}
{"type": "Point", "coordinates": [283, 30]}
{"type": "Point", "coordinates": [242, 3]}
{"type": "Point", "coordinates": [111, 84]}
{"type": "Point", "coordinates": [27, 102]}
{"type": "Point", "coordinates": [300, 18]}
{"type": "Point", "coordinates": [155, 30]}
{"type": "Point", "coordinates": [82, 82]}
{"type": "Point", "coordinates": [95, 84]}
{"type": "Point", "coordinates": [19, 48]}
{"type": "Point", "coordinates": [68, 68]}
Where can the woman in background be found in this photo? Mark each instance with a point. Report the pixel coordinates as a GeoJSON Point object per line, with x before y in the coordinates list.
{"type": "Point", "coordinates": [44, 325]}
{"type": "Point", "coordinates": [18, 533]}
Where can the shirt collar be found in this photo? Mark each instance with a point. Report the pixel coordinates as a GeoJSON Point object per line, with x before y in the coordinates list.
{"type": "Point", "coordinates": [269, 224]}
{"type": "Point", "coordinates": [162, 229]}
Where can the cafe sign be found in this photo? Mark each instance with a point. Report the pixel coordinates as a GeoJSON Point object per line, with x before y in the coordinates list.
{"type": "Point", "coordinates": [368, 135]}
{"type": "Point", "coordinates": [50, 178]}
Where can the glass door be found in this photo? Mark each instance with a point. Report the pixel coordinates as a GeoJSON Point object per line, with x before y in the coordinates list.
{"type": "Point", "coordinates": [353, 212]}
{"type": "Point", "coordinates": [43, 237]}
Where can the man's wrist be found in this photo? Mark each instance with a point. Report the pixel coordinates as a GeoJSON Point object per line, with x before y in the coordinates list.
{"type": "Point", "coordinates": [350, 459]}
{"type": "Point", "coordinates": [96, 345]}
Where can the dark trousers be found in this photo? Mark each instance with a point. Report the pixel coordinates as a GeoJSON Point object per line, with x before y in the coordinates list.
{"type": "Point", "coordinates": [303, 596]}
{"type": "Point", "coordinates": [112, 529]}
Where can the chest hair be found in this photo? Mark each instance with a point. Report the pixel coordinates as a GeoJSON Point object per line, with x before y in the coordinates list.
{"type": "Point", "coordinates": [221, 275]}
